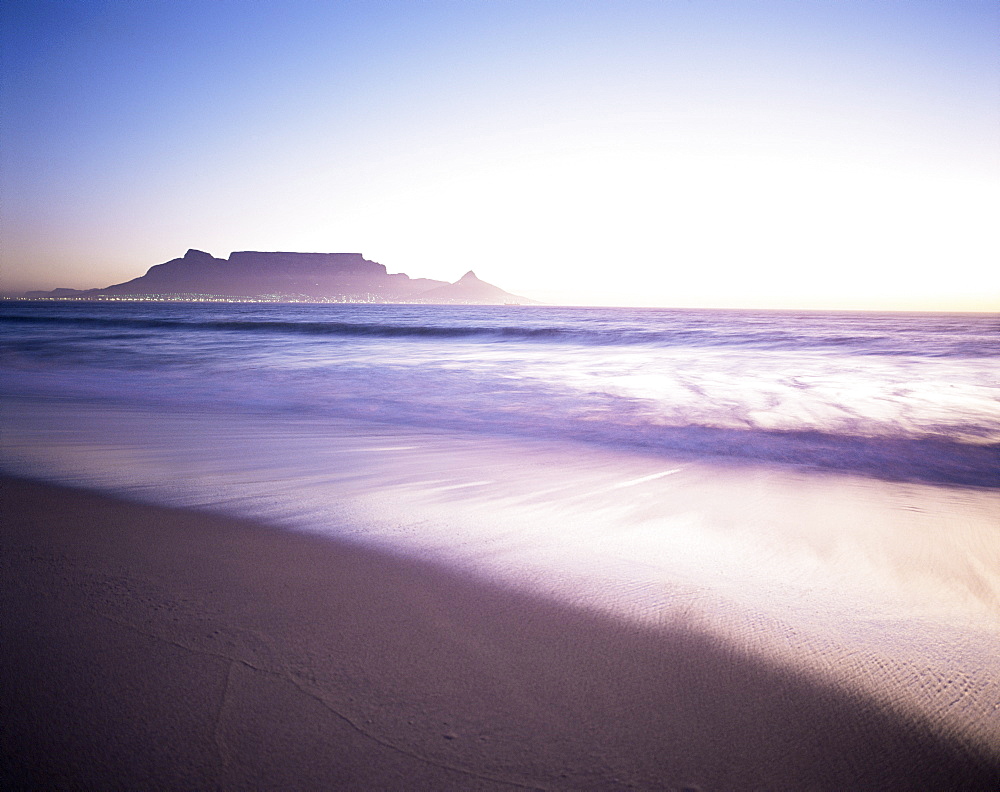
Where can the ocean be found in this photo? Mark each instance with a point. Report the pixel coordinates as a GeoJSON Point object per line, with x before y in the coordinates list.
{"type": "Point", "coordinates": [910, 397]}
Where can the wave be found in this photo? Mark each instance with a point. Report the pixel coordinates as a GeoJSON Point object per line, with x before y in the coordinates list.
{"type": "Point", "coordinates": [951, 447]}
{"type": "Point", "coordinates": [890, 455]}
{"type": "Point", "coordinates": [306, 328]}
{"type": "Point", "coordinates": [926, 460]}
{"type": "Point", "coordinates": [889, 342]}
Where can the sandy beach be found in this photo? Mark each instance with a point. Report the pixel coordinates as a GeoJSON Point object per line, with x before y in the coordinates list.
{"type": "Point", "coordinates": [156, 648]}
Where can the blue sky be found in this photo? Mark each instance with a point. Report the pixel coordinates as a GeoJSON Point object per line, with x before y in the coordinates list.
{"type": "Point", "coordinates": [691, 153]}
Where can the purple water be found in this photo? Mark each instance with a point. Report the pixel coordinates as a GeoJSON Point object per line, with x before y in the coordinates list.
{"type": "Point", "coordinates": [911, 397]}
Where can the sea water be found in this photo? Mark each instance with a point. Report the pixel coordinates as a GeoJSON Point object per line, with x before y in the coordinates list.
{"type": "Point", "coordinates": [913, 397]}
{"type": "Point", "coordinates": [822, 485]}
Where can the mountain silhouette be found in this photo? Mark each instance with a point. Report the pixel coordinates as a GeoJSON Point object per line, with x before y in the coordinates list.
{"type": "Point", "coordinates": [294, 277]}
{"type": "Point", "coordinates": [469, 289]}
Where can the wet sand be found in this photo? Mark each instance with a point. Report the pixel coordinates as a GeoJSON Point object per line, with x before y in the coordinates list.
{"type": "Point", "coordinates": [156, 648]}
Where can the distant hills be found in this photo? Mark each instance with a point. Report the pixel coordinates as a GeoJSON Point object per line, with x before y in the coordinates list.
{"type": "Point", "coordinates": [321, 277]}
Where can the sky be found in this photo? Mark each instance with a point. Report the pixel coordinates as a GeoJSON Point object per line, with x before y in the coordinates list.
{"type": "Point", "coordinates": [830, 154]}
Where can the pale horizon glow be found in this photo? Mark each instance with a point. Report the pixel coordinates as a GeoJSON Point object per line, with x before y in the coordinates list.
{"type": "Point", "coordinates": [733, 154]}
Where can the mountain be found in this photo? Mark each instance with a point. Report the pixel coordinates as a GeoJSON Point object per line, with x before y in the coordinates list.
{"type": "Point", "coordinates": [291, 276]}
{"type": "Point", "coordinates": [469, 289]}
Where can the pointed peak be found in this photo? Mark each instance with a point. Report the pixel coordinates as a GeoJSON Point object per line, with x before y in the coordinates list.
{"type": "Point", "coordinates": [468, 276]}
{"type": "Point", "coordinates": [197, 254]}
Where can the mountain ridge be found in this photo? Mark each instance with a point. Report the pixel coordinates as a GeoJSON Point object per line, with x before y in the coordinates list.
{"type": "Point", "coordinates": [280, 276]}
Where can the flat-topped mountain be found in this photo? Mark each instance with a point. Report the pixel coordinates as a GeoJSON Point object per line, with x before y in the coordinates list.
{"type": "Point", "coordinates": [292, 276]}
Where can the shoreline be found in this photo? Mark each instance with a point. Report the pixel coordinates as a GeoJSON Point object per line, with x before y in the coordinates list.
{"type": "Point", "coordinates": [153, 647]}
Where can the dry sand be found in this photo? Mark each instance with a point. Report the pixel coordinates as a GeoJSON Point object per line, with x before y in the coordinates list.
{"type": "Point", "coordinates": [154, 648]}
